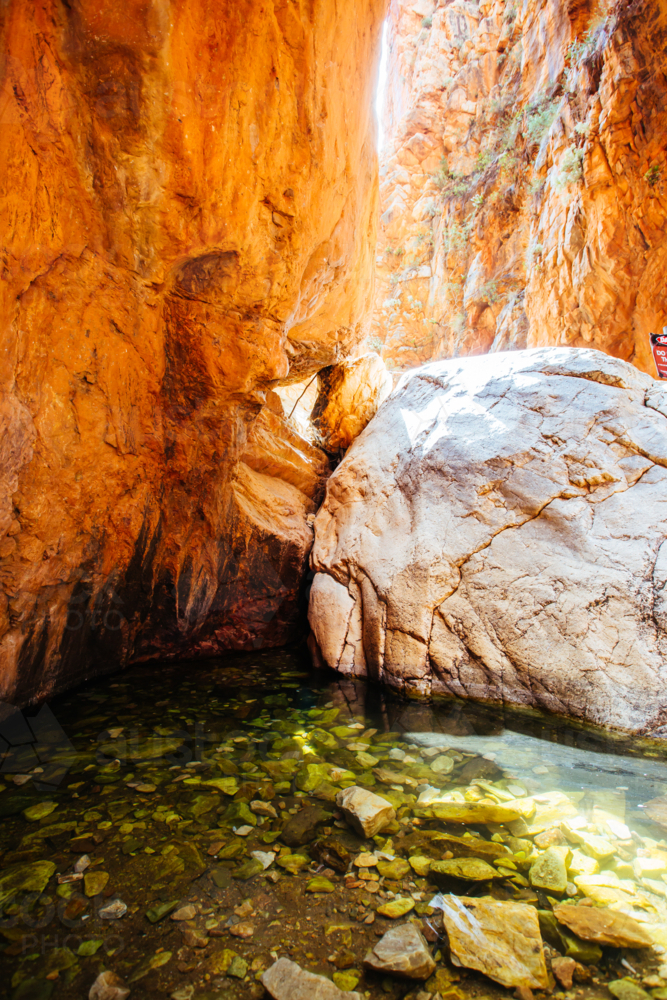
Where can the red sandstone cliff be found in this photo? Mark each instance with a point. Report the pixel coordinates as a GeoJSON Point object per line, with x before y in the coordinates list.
{"type": "Point", "coordinates": [188, 204]}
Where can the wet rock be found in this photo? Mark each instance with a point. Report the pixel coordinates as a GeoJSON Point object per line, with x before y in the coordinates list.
{"type": "Point", "coordinates": [286, 980]}
{"type": "Point", "coordinates": [320, 884]}
{"type": "Point", "coordinates": [30, 877]}
{"type": "Point", "coordinates": [149, 964]}
{"type": "Point", "coordinates": [396, 869]}
{"type": "Point", "coordinates": [346, 981]}
{"type": "Point", "coordinates": [472, 813]}
{"type": "Point", "coordinates": [501, 939]}
{"type": "Point", "coordinates": [162, 910]}
{"type": "Point", "coordinates": [39, 811]}
{"type": "Point", "coordinates": [244, 929]}
{"type": "Point", "coordinates": [656, 809]}
{"type": "Point", "coordinates": [263, 809]}
{"type": "Point", "coordinates": [94, 883]}
{"type": "Point", "coordinates": [366, 812]}
{"type": "Point", "coordinates": [238, 968]}
{"type": "Point", "coordinates": [563, 970]}
{"type": "Point", "coordinates": [466, 869]}
{"type": "Point", "coordinates": [549, 872]}
{"type": "Point", "coordinates": [108, 986]}
{"type": "Point", "coordinates": [332, 853]}
{"type": "Point", "coordinates": [302, 828]}
{"type": "Point", "coordinates": [563, 939]}
{"type": "Point", "coordinates": [249, 868]}
{"type": "Point", "coordinates": [626, 989]}
{"type": "Point", "coordinates": [603, 926]}
{"type": "Point", "coordinates": [188, 912]}
{"type": "Point", "coordinates": [396, 908]}
{"type": "Point", "coordinates": [266, 858]}
{"type": "Point", "coordinates": [442, 764]}
{"type": "Point", "coordinates": [293, 862]}
{"type": "Point", "coordinates": [113, 910]}
{"type": "Point", "coordinates": [402, 951]}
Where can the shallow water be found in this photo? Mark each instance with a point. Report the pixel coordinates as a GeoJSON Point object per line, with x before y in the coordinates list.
{"type": "Point", "coordinates": [116, 772]}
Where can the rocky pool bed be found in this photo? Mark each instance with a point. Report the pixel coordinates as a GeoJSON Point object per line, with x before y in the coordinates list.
{"type": "Point", "coordinates": [246, 828]}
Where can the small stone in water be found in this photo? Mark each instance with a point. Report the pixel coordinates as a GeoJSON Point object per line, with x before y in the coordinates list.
{"type": "Point", "coordinates": [286, 980]}
{"type": "Point", "coordinates": [94, 883]}
{"type": "Point", "coordinates": [402, 952]}
{"type": "Point", "coordinates": [625, 989]}
{"type": "Point", "coordinates": [113, 910]}
{"type": "Point", "coordinates": [366, 860]}
{"type": "Point", "coordinates": [442, 765]}
{"type": "Point", "coordinates": [263, 809]}
{"type": "Point", "coordinates": [244, 929]}
{"type": "Point", "coordinates": [157, 913]}
{"type": "Point", "coordinates": [396, 754]}
{"type": "Point", "coordinates": [153, 962]}
{"type": "Point", "coordinates": [540, 769]}
{"type": "Point", "coordinates": [265, 857]}
{"type": "Point", "coordinates": [563, 970]}
{"type": "Point", "coordinates": [108, 986]}
{"type": "Point", "coordinates": [366, 812]}
{"type": "Point", "coordinates": [82, 863]}
{"type": "Point", "coordinates": [39, 811]}
{"type": "Point", "coordinates": [238, 967]}
{"type": "Point", "coordinates": [243, 831]}
{"type": "Point", "coordinates": [396, 869]}
{"type": "Point", "coordinates": [396, 908]}
{"type": "Point", "coordinates": [320, 884]}
{"type": "Point", "coordinates": [549, 872]}
{"type": "Point", "coordinates": [346, 981]}
{"type": "Point", "coordinates": [188, 912]}
{"type": "Point", "coordinates": [249, 869]}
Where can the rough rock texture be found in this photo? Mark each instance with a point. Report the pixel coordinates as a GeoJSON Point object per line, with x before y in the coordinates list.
{"type": "Point", "coordinates": [349, 395]}
{"type": "Point", "coordinates": [285, 980]}
{"type": "Point", "coordinates": [188, 195]}
{"type": "Point", "coordinates": [499, 938]}
{"type": "Point", "coordinates": [403, 952]}
{"type": "Point", "coordinates": [523, 191]}
{"type": "Point", "coordinates": [497, 533]}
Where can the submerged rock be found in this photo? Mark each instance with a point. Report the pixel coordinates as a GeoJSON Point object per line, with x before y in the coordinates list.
{"type": "Point", "coordinates": [108, 986]}
{"type": "Point", "coordinates": [465, 869]}
{"type": "Point", "coordinates": [402, 952]}
{"type": "Point", "coordinates": [366, 812]}
{"type": "Point", "coordinates": [603, 926]}
{"type": "Point", "coordinates": [549, 872]}
{"type": "Point", "coordinates": [500, 939]}
{"type": "Point", "coordinates": [286, 980]}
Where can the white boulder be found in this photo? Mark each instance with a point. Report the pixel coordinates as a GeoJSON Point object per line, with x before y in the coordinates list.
{"type": "Point", "coordinates": [497, 533]}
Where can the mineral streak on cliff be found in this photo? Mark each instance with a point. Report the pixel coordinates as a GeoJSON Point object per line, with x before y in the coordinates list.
{"type": "Point", "coordinates": [523, 192]}
{"type": "Point", "coordinates": [188, 204]}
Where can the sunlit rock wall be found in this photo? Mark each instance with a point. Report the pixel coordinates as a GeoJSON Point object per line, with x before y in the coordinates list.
{"type": "Point", "coordinates": [188, 204]}
{"type": "Point", "coordinates": [523, 193]}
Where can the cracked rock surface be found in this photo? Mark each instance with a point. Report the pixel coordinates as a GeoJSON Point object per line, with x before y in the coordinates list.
{"type": "Point", "coordinates": [497, 533]}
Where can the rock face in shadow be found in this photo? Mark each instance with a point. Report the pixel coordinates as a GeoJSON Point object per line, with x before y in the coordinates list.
{"type": "Point", "coordinates": [523, 178]}
{"type": "Point", "coordinates": [188, 204]}
{"type": "Point", "coordinates": [497, 532]}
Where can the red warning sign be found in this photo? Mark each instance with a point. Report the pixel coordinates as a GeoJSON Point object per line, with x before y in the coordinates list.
{"type": "Point", "coordinates": [659, 348]}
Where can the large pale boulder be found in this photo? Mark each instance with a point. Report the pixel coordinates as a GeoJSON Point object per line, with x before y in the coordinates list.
{"type": "Point", "coordinates": [497, 533]}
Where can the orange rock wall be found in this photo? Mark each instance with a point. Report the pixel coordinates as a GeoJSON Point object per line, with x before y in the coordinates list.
{"type": "Point", "coordinates": [523, 179]}
{"type": "Point", "coordinates": [188, 204]}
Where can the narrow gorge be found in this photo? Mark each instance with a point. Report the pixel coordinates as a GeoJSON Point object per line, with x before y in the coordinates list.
{"type": "Point", "coordinates": [333, 500]}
